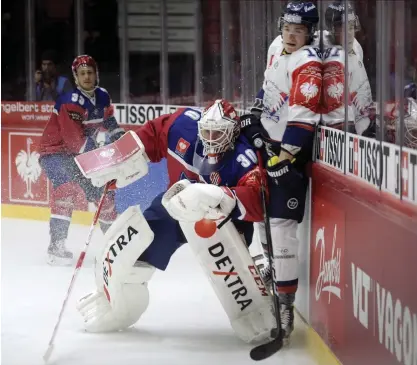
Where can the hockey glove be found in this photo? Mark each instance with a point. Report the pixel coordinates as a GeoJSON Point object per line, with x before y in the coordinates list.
{"type": "Point", "coordinates": [110, 123]}
{"type": "Point", "coordinates": [282, 173]}
{"type": "Point", "coordinates": [257, 107]}
{"type": "Point", "coordinates": [189, 202]}
{"type": "Point", "coordinates": [251, 128]}
{"type": "Point", "coordinates": [116, 134]}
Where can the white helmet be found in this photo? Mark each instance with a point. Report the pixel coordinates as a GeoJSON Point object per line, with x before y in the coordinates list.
{"type": "Point", "coordinates": [218, 128]}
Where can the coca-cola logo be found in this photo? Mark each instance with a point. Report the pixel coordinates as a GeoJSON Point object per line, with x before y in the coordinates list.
{"type": "Point", "coordinates": [328, 279]}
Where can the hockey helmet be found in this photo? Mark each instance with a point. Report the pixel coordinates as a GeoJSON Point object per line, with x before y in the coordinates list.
{"type": "Point", "coordinates": [84, 61]}
{"type": "Point", "coordinates": [300, 12]}
{"type": "Point", "coordinates": [335, 16]}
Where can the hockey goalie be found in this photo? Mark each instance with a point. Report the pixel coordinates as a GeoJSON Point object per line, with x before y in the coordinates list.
{"type": "Point", "coordinates": [211, 204]}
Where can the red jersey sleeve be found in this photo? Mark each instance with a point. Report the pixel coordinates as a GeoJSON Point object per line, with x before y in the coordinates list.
{"type": "Point", "coordinates": [249, 204]}
{"type": "Point", "coordinates": [154, 135]}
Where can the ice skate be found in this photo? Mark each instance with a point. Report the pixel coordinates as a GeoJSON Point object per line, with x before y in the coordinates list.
{"type": "Point", "coordinates": [58, 255]}
{"type": "Point", "coordinates": [287, 314]}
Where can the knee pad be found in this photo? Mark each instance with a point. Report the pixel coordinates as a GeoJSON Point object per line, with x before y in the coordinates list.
{"type": "Point", "coordinates": [122, 294]}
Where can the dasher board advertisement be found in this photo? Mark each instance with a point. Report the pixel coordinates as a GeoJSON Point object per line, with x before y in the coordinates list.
{"type": "Point", "coordinates": [363, 289]}
{"type": "Point", "coordinates": [384, 166]}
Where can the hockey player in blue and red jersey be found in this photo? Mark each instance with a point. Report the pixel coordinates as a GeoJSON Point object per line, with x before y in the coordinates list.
{"type": "Point", "coordinates": [77, 119]}
{"type": "Point", "coordinates": [212, 201]}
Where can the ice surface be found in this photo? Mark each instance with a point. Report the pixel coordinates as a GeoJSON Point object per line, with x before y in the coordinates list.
{"type": "Point", "coordinates": [184, 324]}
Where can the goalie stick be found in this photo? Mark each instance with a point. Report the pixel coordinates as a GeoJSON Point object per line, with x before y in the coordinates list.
{"type": "Point", "coordinates": [80, 261]}
{"type": "Point", "coordinates": [266, 350]}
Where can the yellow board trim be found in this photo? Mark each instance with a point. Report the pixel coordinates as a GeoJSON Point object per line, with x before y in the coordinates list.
{"type": "Point", "coordinates": [41, 213]}
{"type": "Point", "coordinates": [318, 350]}
{"type": "Point", "coordinates": [316, 347]}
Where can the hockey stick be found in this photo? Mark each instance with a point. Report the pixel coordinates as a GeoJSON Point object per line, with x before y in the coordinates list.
{"type": "Point", "coordinates": [80, 261]}
{"type": "Point", "coordinates": [266, 350]}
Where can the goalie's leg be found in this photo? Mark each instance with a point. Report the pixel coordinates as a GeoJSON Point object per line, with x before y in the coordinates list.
{"type": "Point", "coordinates": [227, 263]}
{"type": "Point", "coordinates": [122, 294]}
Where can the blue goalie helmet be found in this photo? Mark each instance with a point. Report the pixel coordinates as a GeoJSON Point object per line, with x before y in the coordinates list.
{"type": "Point", "coordinates": [300, 12]}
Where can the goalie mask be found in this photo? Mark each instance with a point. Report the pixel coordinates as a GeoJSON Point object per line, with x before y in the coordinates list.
{"type": "Point", "coordinates": [218, 129]}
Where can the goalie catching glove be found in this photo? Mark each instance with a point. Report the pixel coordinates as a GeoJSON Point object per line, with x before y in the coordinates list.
{"type": "Point", "coordinates": [124, 160]}
{"type": "Point", "coordinates": [189, 202]}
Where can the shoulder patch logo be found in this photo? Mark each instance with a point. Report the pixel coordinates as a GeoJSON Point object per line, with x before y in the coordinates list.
{"type": "Point", "coordinates": [182, 147]}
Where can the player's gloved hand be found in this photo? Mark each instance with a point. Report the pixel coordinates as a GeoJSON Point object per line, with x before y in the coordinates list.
{"type": "Point", "coordinates": [189, 202]}
{"type": "Point", "coordinates": [116, 134]}
{"type": "Point", "coordinates": [110, 123]}
{"type": "Point", "coordinates": [250, 126]}
{"type": "Point", "coordinates": [282, 173]}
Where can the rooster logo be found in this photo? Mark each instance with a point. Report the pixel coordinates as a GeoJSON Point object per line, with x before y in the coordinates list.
{"type": "Point", "coordinates": [28, 167]}
{"type": "Point", "coordinates": [335, 91]}
{"type": "Point", "coordinates": [309, 90]}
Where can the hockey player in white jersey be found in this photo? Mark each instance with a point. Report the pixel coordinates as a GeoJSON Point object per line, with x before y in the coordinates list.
{"type": "Point", "coordinates": [361, 113]}
{"type": "Point", "coordinates": [284, 117]}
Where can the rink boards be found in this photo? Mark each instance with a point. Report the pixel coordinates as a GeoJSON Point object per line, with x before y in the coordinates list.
{"type": "Point", "coordinates": [358, 239]}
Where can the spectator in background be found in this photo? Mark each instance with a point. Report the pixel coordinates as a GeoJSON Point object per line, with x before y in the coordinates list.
{"type": "Point", "coordinates": [49, 85]}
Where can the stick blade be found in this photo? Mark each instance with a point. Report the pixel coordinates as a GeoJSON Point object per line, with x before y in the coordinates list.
{"type": "Point", "coordinates": [266, 350]}
{"type": "Point", "coordinates": [48, 353]}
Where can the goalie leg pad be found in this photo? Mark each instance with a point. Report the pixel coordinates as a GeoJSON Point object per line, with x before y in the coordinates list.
{"type": "Point", "coordinates": [235, 279]}
{"type": "Point", "coordinates": [129, 300]}
{"type": "Point", "coordinates": [122, 295]}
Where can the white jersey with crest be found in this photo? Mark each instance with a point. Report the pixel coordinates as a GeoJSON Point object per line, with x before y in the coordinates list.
{"type": "Point", "coordinates": [360, 94]}
{"type": "Point", "coordinates": [291, 93]}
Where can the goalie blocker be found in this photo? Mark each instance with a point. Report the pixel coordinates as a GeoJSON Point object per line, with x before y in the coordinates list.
{"type": "Point", "coordinates": [122, 295]}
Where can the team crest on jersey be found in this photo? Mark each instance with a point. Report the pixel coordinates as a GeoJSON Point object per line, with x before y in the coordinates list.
{"type": "Point", "coordinates": [182, 147]}
{"type": "Point", "coordinates": [335, 91]}
{"type": "Point", "coordinates": [215, 178]}
{"type": "Point", "coordinates": [309, 90]}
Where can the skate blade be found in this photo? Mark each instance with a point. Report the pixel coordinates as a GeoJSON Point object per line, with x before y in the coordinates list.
{"type": "Point", "coordinates": [58, 261]}
{"type": "Point", "coordinates": [286, 341]}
